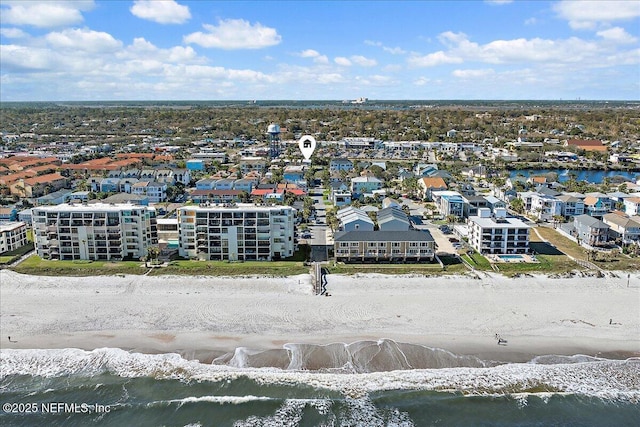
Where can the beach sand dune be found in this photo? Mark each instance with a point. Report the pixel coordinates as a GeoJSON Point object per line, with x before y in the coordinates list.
{"type": "Point", "coordinates": [536, 314]}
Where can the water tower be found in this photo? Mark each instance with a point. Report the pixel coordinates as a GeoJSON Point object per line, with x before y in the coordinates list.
{"type": "Point", "coordinates": [274, 140]}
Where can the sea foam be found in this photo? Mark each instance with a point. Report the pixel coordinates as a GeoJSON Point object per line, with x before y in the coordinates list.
{"type": "Point", "coordinates": [608, 379]}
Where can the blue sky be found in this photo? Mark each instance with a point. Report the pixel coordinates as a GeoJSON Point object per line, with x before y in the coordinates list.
{"type": "Point", "coordinates": [244, 50]}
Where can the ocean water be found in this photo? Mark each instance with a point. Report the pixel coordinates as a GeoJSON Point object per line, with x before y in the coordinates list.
{"type": "Point", "coordinates": [365, 384]}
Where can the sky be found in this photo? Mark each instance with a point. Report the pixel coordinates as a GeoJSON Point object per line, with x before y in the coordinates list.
{"type": "Point", "coordinates": [93, 50]}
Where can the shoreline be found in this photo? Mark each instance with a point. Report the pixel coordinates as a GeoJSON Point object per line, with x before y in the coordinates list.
{"type": "Point", "coordinates": [206, 317]}
{"type": "Point", "coordinates": [205, 347]}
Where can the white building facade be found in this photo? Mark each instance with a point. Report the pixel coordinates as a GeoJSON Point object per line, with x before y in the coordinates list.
{"type": "Point", "coordinates": [94, 232]}
{"type": "Point", "coordinates": [236, 232]}
{"type": "Point", "coordinates": [13, 235]}
{"type": "Point", "coordinates": [497, 234]}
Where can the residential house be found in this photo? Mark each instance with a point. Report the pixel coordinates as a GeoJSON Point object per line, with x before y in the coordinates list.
{"type": "Point", "coordinates": [587, 145]}
{"type": "Point", "coordinates": [124, 198]}
{"type": "Point", "coordinates": [472, 204]}
{"type": "Point", "coordinates": [392, 219]}
{"type": "Point", "coordinates": [248, 164]}
{"type": "Point", "coordinates": [245, 185]}
{"type": "Point", "coordinates": [215, 196]}
{"type": "Point", "coordinates": [13, 235]}
{"type": "Point", "coordinates": [351, 219]}
{"type": "Point", "coordinates": [224, 184]}
{"type": "Point", "coordinates": [622, 227]}
{"type": "Point", "coordinates": [294, 174]}
{"type": "Point", "coordinates": [79, 196]}
{"type": "Point", "coordinates": [494, 203]}
{"type": "Point", "coordinates": [425, 170]}
{"type": "Point", "coordinates": [571, 206]}
{"type": "Point", "coordinates": [388, 246]}
{"type": "Point", "coordinates": [206, 184]}
{"type": "Point", "coordinates": [590, 231]}
{"type": "Point", "coordinates": [25, 216]}
{"type": "Point", "coordinates": [8, 213]}
{"type": "Point", "coordinates": [449, 203]}
{"type": "Point", "coordinates": [155, 191]}
{"type": "Point", "coordinates": [597, 204]}
{"type": "Point", "coordinates": [365, 184]}
{"type": "Point", "coordinates": [55, 198]}
{"type": "Point", "coordinates": [427, 185]}
{"type": "Point", "coordinates": [498, 234]}
{"type": "Point", "coordinates": [340, 164]}
{"type": "Point", "coordinates": [544, 207]}
{"type": "Point", "coordinates": [110, 185]}
{"type": "Point", "coordinates": [38, 185]}
{"type": "Point", "coordinates": [631, 205]}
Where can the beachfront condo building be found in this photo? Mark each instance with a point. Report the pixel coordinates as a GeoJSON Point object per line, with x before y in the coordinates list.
{"type": "Point", "coordinates": [495, 233]}
{"type": "Point", "coordinates": [384, 246]}
{"type": "Point", "coordinates": [236, 232]}
{"type": "Point", "coordinates": [13, 235]}
{"type": "Point", "coordinates": [99, 231]}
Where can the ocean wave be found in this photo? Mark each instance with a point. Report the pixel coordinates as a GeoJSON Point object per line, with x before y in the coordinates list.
{"type": "Point", "coordinates": [357, 357]}
{"type": "Point", "coordinates": [608, 379]}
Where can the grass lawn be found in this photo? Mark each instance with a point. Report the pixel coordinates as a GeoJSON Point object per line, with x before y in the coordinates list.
{"type": "Point", "coordinates": [224, 268]}
{"type": "Point", "coordinates": [11, 256]}
{"type": "Point", "coordinates": [39, 267]}
{"type": "Point", "coordinates": [569, 247]}
{"type": "Point", "coordinates": [426, 269]}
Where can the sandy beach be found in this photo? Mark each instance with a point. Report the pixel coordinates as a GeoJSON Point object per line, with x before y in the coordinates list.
{"type": "Point", "coordinates": [203, 317]}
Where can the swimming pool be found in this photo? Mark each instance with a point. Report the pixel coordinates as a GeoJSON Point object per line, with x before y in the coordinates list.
{"type": "Point", "coordinates": [508, 258]}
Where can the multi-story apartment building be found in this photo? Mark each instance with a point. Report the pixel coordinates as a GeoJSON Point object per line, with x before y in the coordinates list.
{"type": "Point", "coordinates": [236, 232]}
{"type": "Point", "coordinates": [13, 235]}
{"type": "Point", "coordinates": [498, 234]}
{"type": "Point", "coordinates": [98, 231]}
{"type": "Point", "coordinates": [376, 246]}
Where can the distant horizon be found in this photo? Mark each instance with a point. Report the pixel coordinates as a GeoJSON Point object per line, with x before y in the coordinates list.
{"type": "Point", "coordinates": [99, 50]}
{"type": "Point", "coordinates": [327, 100]}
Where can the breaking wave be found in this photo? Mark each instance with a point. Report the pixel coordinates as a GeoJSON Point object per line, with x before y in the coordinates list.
{"type": "Point", "coordinates": [608, 379]}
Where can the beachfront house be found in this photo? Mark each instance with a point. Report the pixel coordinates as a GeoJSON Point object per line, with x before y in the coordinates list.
{"type": "Point", "coordinates": [428, 185]}
{"type": "Point", "coordinates": [572, 206]}
{"type": "Point", "coordinates": [631, 205]}
{"type": "Point", "coordinates": [590, 231]}
{"type": "Point", "coordinates": [384, 246]}
{"type": "Point", "coordinates": [498, 234]}
{"type": "Point", "coordinates": [622, 228]}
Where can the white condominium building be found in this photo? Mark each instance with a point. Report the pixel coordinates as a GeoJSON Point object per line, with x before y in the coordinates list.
{"type": "Point", "coordinates": [98, 231]}
{"type": "Point", "coordinates": [237, 232]}
{"type": "Point", "coordinates": [497, 234]}
{"type": "Point", "coordinates": [13, 235]}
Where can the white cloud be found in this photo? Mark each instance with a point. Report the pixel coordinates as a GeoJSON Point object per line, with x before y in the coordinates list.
{"type": "Point", "coordinates": [23, 58]}
{"type": "Point", "coordinates": [618, 35]}
{"type": "Point", "coordinates": [530, 21]}
{"type": "Point", "coordinates": [317, 58]}
{"type": "Point", "coordinates": [421, 81]}
{"type": "Point", "coordinates": [233, 34]}
{"type": "Point", "coordinates": [473, 74]}
{"type": "Point", "coordinates": [391, 50]}
{"type": "Point", "coordinates": [161, 11]}
{"type": "Point", "coordinates": [588, 14]}
{"type": "Point", "coordinates": [363, 61]}
{"type": "Point", "coordinates": [434, 59]}
{"type": "Point", "coordinates": [13, 33]}
{"type": "Point", "coordinates": [83, 40]}
{"type": "Point", "coordinates": [44, 14]}
{"type": "Point", "coordinates": [341, 60]}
